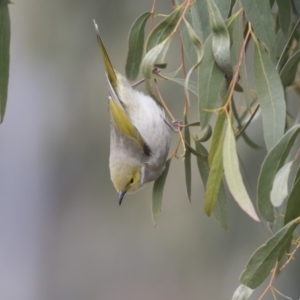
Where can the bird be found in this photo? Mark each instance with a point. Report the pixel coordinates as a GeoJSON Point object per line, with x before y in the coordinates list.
{"type": "Point", "coordinates": [139, 132]}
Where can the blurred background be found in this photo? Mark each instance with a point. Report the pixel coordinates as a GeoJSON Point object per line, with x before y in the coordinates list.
{"type": "Point", "coordinates": [63, 234]}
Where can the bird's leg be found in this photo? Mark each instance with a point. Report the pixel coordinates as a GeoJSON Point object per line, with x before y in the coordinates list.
{"type": "Point", "coordinates": [155, 70]}
{"type": "Point", "coordinates": [175, 126]}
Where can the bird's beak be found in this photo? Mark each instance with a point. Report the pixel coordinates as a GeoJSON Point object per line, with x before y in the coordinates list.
{"type": "Point", "coordinates": [121, 196]}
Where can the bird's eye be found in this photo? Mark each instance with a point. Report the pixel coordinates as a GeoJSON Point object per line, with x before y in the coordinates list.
{"type": "Point", "coordinates": [131, 180]}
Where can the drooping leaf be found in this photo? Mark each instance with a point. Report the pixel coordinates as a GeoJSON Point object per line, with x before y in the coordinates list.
{"type": "Point", "coordinates": [237, 44]}
{"type": "Point", "coordinates": [214, 180]}
{"type": "Point", "coordinates": [280, 185]}
{"type": "Point", "coordinates": [280, 42]}
{"type": "Point", "coordinates": [271, 164]}
{"type": "Point", "coordinates": [259, 14]}
{"type": "Point", "coordinates": [211, 80]}
{"type": "Point", "coordinates": [220, 38]}
{"type": "Point", "coordinates": [136, 46]}
{"type": "Point", "coordinates": [292, 210]}
{"type": "Point", "coordinates": [157, 192]}
{"type": "Point", "coordinates": [224, 7]}
{"type": "Point", "coordinates": [151, 57]}
{"type": "Point", "coordinates": [285, 15]}
{"type": "Point", "coordinates": [192, 85]}
{"type": "Point", "coordinates": [286, 48]}
{"type": "Point", "coordinates": [220, 210]}
{"type": "Point", "coordinates": [233, 175]}
{"type": "Point", "coordinates": [4, 55]}
{"type": "Point", "coordinates": [187, 160]}
{"type": "Point", "coordinates": [245, 137]}
{"type": "Point", "coordinates": [162, 31]}
{"type": "Point", "coordinates": [289, 70]}
{"type": "Point", "coordinates": [200, 17]}
{"type": "Point", "coordinates": [242, 293]}
{"type": "Point", "coordinates": [188, 44]}
{"type": "Point", "coordinates": [199, 55]}
{"type": "Point", "coordinates": [216, 137]}
{"type": "Point", "coordinates": [264, 258]}
{"type": "Point", "coordinates": [270, 96]}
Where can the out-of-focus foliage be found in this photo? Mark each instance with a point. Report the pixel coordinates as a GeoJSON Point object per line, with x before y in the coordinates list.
{"type": "Point", "coordinates": [218, 37]}
{"type": "Point", "coordinates": [4, 54]}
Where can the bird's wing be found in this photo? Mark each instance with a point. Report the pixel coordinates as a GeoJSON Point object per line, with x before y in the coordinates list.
{"type": "Point", "coordinates": [122, 122]}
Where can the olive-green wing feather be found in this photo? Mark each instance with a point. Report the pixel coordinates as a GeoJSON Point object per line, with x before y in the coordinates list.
{"type": "Point", "coordinates": [123, 123]}
{"type": "Point", "coordinates": [111, 74]}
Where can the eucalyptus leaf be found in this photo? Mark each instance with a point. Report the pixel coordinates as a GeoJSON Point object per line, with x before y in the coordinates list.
{"type": "Point", "coordinates": [271, 164]}
{"type": "Point", "coordinates": [264, 258]}
{"type": "Point", "coordinates": [220, 38]}
{"type": "Point", "coordinates": [233, 175]}
{"type": "Point", "coordinates": [270, 96]}
{"type": "Point", "coordinates": [151, 58]}
{"type": "Point", "coordinates": [4, 55]}
{"type": "Point", "coordinates": [211, 80]}
{"type": "Point", "coordinates": [192, 85]}
{"type": "Point", "coordinates": [220, 209]}
{"type": "Point", "coordinates": [214, 181]}
{"type": "Point", "coordinates": [187, 160]}
{"type": "Point", "coordinates": [163, 30]}
{"type": "Point", "coordinates": [285, 16]}
{"type": "Point", "coordinates": [136, 46]}
{"type": "Point", "coordinates": [224, 7]}
{"type": "Point", "coordinates": [259, 14]}
{"type": "Point", "coordinates": [280, 185]}
{"type": "Point", "coordinates": [292, 210]}
{"type": "Point", "coordinates": [157, 193]}
{"type": "Point", "coordinates": [217, 136]}
{"type": "Point", "coordinates": [242, 293]}
{"type": "Point", "coordinates": [200, 18]}
{"type": "Point", "coordinates": [289, 70]}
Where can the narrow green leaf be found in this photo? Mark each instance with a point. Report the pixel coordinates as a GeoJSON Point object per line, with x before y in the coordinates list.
{"type": "Point", "coordinates": [297, 175]}
{"type": "Point", "coordinates": [4, 55]}
{"type": "Point", "coordinates": [280, 185]}
{"type": "Point", "coordinates": [285, 15]}
{"type": "Point", "coordinates": [200, 17]}
{"type": "Point", "coordinates": [280, 43]}
{"type": "Point", "coordinates": [237, 44]}
{"type": "Point", "coordinates": [211, 80]}
{"type": "Point", "coordinates": [220, 38]}
{"type": "Point", "coordinates": [264, 258]}
{"type": "Point", "coordinates": [199, 51]}
{"type": "Point", "coordinates": [292, 210]}
{"type": "Point", "coordinates": [233, 175]}
{"type": "Point", "coordinates": [245, 137]}
{"type": "Point", "coordinates": [289, 70]}
{"type": "Point", "coordinates": [188, 45]}
{"type": "Point", "coordinates": [214, 181]}
{"type": "Point", "coordinates": [157, 193]}
{"type": "Point", "coordinates": [259, 14]}
{"type": "Point", "coordinates": [220, 210]}
{"type": "Point", "coordinates": [242, 293]}
{"type": "Point", "coordinates": [207, 134]}
{"type": "Point", "coordinates": [162, 30]}
{"type": "Point", "coordinates": [271, 164]}
{"type": "Point", "coordinates": [224, 7]}
{"type": "Point", "coordinates": [286, 48]}
{"type": "Point", "coordinates": [158, 52]}
{"type": "Point", "coordinates": [217, 136]}
{"type": "Point", "coordinates": [297, 7]}
{"type": "Point", "coordinates": [136, 46]}
{"type": "Point", "coordinates": [192, 85]}
{"type": "Point", "coordinates": [187, 160]}
{"type": "Point", "coordinates": [270, 96]}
